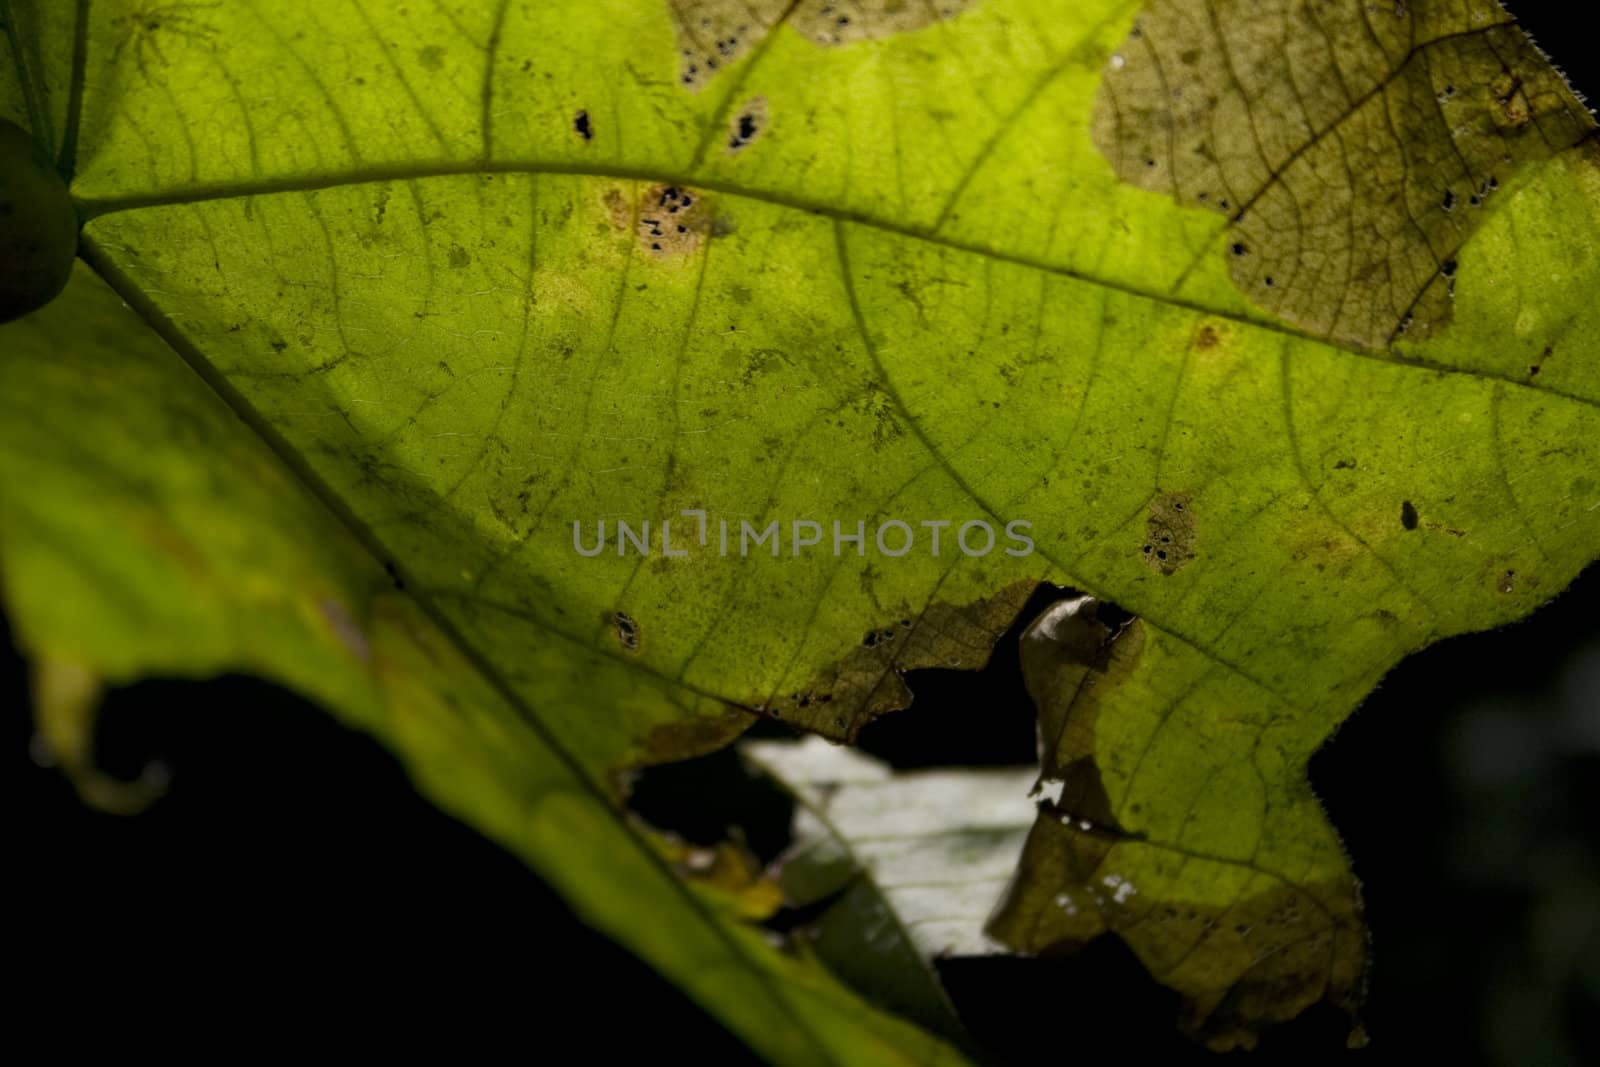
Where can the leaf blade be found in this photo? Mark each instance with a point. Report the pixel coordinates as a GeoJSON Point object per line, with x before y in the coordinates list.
{"type": "Point", "coordinates": [97, 530]}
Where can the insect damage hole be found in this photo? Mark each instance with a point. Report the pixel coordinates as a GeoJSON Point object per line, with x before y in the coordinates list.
{"type": "Point", "coordinates": [748, 124]}
{"type": "Point", "coordinates": [673, 220]}
{"type": "Point", "coordinates": [626, 629]}
{"type": "Point", "coordinates": [582, 126]}
{"type": "Point", "coordinates": [1169, 533]}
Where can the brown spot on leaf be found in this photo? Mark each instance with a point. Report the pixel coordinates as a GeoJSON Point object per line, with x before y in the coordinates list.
{"type": "Point", "coordinates": [867, 682]}
{"type": "Point", "coordinates": [1170, 533]}
{"type": "Point", "coordinates": [695, 736]}
{"type": "Point", "coordinates": [843, 22]}
{"type": "Point", "coordinates": [1549, 350]}
{"type": "Point", "coordinates": [667, 220]}
{"type": "Point", "coordinates": [618, 209]}
{"type": "Point", "coordinates": [712, 35]}
{"type": "Point", "coordinates": [1351, 152]}
{"type": "Point", "coordinates": [626, 629]}
{"type": "Point", "coordinates": [673, 220]}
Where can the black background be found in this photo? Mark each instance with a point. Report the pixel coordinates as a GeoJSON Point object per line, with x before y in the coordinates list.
{"type": "Point", "coordinates": [292, 880]}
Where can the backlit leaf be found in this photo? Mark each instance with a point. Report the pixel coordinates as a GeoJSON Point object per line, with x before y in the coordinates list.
{"type": "Point", "coordinates": [477, 273]}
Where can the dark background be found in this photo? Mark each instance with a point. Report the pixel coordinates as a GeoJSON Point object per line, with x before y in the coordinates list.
{"type": "Point", "coordinates": [291, 878]}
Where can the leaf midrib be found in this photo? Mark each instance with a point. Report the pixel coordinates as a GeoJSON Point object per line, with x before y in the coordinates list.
{"type": "Point", "coordinates": [286, 453]}
{"type": "Point", "coordinates": [91, 209]}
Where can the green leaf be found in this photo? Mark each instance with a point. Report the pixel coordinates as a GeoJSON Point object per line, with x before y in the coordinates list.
{"type": "Point", "coordinates": [476, 274]}
{"type": "Point", "coordinates": [125, 556]}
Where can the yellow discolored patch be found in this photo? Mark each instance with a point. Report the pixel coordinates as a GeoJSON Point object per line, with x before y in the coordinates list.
{"type": "Point", "coordinates": [714, 34]}
{"type": "Point", "coordinates": [668, 221]}
{"type": "Point", "coordinates": [842, 22]}
{"type": "Point", "coordinates": [1352, 146]}
{"type": "Point", "coordinates": [1170, 533]}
